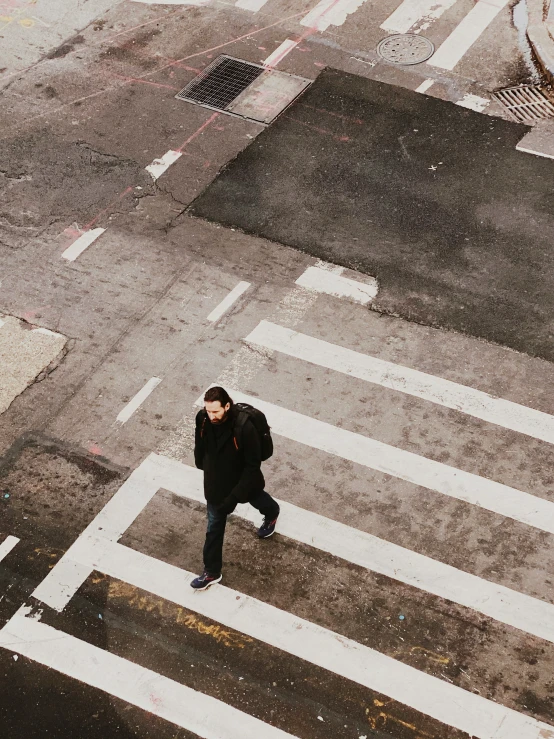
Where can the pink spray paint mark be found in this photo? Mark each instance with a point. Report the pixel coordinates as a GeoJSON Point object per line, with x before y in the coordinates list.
{"type": "Point", "coordinates": [95, 449]}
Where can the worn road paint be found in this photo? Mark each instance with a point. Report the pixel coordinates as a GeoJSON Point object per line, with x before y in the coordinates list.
{"type": "Point", "coordinates": [530, 615]}
{"type": "Point", "coordinates": [425, 85]}
{"type": "Point", "coordinates": [331, 283]}
{"type": "Point", "coordinates": [228, 301]}
{"type": "Point", "coordinates": [136, 599]}
{"type": "Point", "coordinates": [327, 649]}
{"type": "Point", "coordinates": [81, 243]}
{"type": "Point", "coordinates": [196, 712]}
{"type": "Point", "coordinates": [473, 102]}
{"type": "Point", "coordinates": [159, 166]}
{"type": "Point", "coordinates": [463, 398]}
{"type": "Point", "coordinates": [415, 15]}
{"type": "Point", "coordinates": [7, 545]}
{"type": "Point", "coordinates": [125, 414]}
{"type": "Point", "coordinates": [442, 478]}
{"type": "Point", "coordinates": [280, 53]}
{"type": "Point", "coordinates": [330, 13]}
{"type": "Point", "coordinates": [253, 5]}
{"type": "Point", "coordinates": [466, 33]}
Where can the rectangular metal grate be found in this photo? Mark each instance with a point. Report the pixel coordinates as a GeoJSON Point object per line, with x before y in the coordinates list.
{"type": "Point", "coordinates": [526, 103]}
{"type": "Point", "coordinates": [221, 82]}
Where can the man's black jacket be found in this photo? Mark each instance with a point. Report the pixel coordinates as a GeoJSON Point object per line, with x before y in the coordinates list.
{"type": "Point", "coordinates": [230, 474]}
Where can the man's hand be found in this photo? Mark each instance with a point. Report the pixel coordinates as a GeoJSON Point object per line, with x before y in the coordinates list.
{"type": "Point", "coordinates": [228, 505]}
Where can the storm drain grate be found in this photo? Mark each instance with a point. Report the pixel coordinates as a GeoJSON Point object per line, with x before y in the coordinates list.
{"type": "Point", "coordinates": [526, 103]}
{"type": "Point", "coordinates": [221, 82]}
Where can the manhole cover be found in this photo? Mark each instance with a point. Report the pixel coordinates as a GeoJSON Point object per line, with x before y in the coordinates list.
{"type": "Point", "coordinates": [526, 103]}
{"type": "Point", "coordinates": [405, 48]}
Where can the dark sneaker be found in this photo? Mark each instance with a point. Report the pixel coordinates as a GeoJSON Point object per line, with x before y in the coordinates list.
{"type": "Point", "coordinates": [204, 581]}
{"type": "Point", "coordinates": [267, 528]}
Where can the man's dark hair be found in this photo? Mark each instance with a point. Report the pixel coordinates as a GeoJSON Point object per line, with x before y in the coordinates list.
{"type": "Point", "coordinates": [218, 393]}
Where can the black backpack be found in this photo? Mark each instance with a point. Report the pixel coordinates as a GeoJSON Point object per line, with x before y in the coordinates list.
{"type": "Point", "coordinates": [244, 412]}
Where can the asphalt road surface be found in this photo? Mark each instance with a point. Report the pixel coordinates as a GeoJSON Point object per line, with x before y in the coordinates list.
{"type": "Point", "coordinates": [422, 194]}
{"type": "Point", "coordinates": [405, 372]}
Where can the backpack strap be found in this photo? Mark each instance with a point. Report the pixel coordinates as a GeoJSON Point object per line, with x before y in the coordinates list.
{"type": "Point", "coordinates": [202, 414]}
{"type": "Point", "coordinates": [240, 419]}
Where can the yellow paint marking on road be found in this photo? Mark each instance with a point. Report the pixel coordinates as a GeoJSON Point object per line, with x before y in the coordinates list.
{"type": "Point", "coordinates": [381, 719]}
{"type": "Point", "coordinates": [433, 656]}
{"type": "Point", "coordinates": [163, 608]}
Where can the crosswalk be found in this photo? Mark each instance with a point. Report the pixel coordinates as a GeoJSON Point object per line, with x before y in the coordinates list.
{"type": "Point", "coordinates": [99, 549]}
{"type": "Point", "coordinates": [410, 16]}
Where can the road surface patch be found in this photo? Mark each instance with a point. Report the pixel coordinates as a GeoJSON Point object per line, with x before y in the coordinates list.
{"type": "Point", "coordinates": [25, 352]}
{"type": "Point", "coordinates": [423, 197]}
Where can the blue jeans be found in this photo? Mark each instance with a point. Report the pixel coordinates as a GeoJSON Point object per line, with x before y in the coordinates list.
{"type": "Point", "coordinates": [213, 547]}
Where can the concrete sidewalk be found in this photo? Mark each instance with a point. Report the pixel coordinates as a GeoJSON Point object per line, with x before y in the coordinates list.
{"type": "Point", "coordinates": [540, 32]}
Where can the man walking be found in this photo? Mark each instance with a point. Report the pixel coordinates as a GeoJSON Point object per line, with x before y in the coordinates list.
{"type": "Point", "coordinates": [228, 448]}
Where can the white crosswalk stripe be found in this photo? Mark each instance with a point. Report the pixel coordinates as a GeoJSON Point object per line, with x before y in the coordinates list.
{"type": "Point", "coordinates": [456, 483]}
{"type": "Point", "coordinates": [207, 717]}
{"type": "Point", "coordinates": [440, 700]}
{"type": "Point", "coordinates": [528, 614]}
{"type": "Point", "coordinates": [98, 549]}
{"type": "Point", "coordinates": [405, 380]}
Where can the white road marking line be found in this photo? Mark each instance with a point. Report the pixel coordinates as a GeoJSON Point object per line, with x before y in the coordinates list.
{"type": "Point", "coordinates": [228, 301]}
{"type": "Point", "coordinates": [67, 576]}
{"type": "Point", "coordinates": [330, 12]}
{"type": "Point", "coordinates": [280, 52]}
{"type": "Point", "coordinates": [526, 150]}
{"type": "Point", "coordinates": [340, 655]}
{"type": "Point", "coordinates": [466, 33]}
{"type": "Point", "coordinates": [456, 483]}
{"type": "Point", "coordinates": [196, 712]}
{"type": "Point", "coordinates": [2, 322]}
{"type": "Point", "coordinates": [96, 549]}
{"type": "Point", "coordinates": [125, 414]}
{"type": "Point", "coordinates": [425, 85]}
{"type": "Point", "coordinates": [473, 102]}
{"type": "Point", "coordinates": [435, 389]}
{"type": "Point", "coordinates": [332, 283]}
{"type": "Point", "coordinates": [81, 243]}
{"type": "Point", "coordinates": [412, 12]}
{"type": "Point", "coordinates": [7, 545]}
{"type": "Point", "coordinates": [159, 166]}
{"type": "Point", "coordinates": [508, 606]}
{"type": "Point", "coordinates": [253, 5]}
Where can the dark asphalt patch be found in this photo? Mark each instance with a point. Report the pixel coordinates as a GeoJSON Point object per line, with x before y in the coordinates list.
{"type": "Point", "coordinates": [46, 181]}
{"type": "Point", "coordinates": [49, 492]}
{"type": "Point", "coordinates": [430, 198]}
